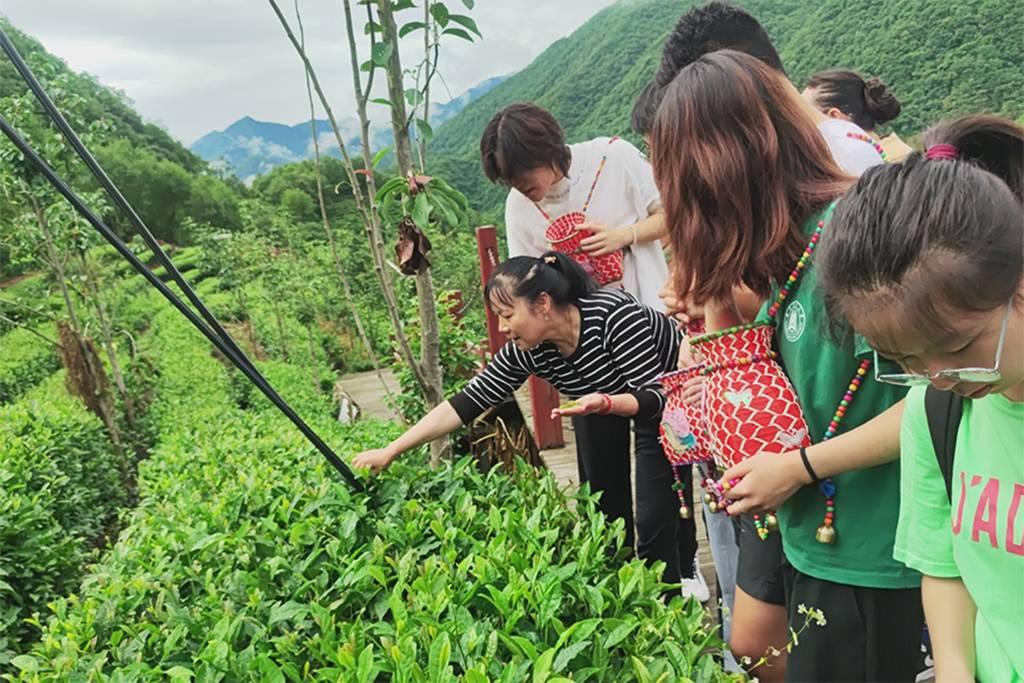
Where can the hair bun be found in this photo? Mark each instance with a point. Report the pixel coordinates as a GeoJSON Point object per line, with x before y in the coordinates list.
{"type": "Point", "coordinates": [879, 102]}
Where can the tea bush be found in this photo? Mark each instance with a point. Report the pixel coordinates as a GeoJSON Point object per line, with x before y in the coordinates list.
{"type": "Point", "coordinates": [25, 360]}
{"type": "Point", "coordinates": [249, 559]}
{"type": "Point", "coordinates": [59, 490]}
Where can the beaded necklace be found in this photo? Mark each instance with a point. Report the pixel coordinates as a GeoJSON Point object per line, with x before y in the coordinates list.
{"type": "Point", "coordinates": [826, 533]}
{"type": "Point", "coordinates": [870, 140]}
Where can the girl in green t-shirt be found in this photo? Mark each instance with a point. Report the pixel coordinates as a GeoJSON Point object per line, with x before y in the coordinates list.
{"type": "Point", "coordinates": [925, 259]}
{"type": "Point", "coordinates": [746, 181]}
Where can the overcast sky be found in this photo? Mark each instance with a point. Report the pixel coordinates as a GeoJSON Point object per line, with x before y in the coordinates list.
{"type": "Point", "coordinates": [195, 66]}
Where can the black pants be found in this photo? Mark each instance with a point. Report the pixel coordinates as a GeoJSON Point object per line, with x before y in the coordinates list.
{"type": "Point", "coordinates": [602, 454]}
{"type": "Point", "coordinates": [871, 634]}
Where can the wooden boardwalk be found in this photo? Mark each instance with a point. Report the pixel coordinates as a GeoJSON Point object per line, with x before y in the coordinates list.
{"type": "Point", "coordinates": [365, 389]}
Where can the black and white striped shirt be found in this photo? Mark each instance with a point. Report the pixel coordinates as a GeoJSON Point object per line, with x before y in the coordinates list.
{"type": "Point", "coordinates": [623, 347]}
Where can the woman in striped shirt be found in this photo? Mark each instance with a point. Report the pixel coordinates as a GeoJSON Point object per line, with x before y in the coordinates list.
{"type": "Point", "coordinates": [601, 348]}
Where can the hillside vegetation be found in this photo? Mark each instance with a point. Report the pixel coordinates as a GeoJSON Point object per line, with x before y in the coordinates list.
{"type": "Point", "coordinates": [940, 58]}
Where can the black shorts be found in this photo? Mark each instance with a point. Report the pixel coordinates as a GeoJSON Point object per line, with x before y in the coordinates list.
{"type": "Point", "coordinates": [759, 570]}
{"type": "Point", "coordinates": [870, 634]}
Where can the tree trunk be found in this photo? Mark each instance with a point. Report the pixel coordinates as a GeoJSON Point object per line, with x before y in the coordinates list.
{"type": "Point", "coordinates": [430, 344]}
{"type": "Point", "coordinates": [365, 205]}
{"type": "Point", "coordinates": [314, 366]}
{"type": "Point", "coordinates": [338, 267]}
{"type": "Point", "coordinates": [280, 327]}
{"type": "Point", "coordinates": [107, 341]}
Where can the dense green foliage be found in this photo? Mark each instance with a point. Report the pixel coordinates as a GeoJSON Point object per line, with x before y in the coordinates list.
{"type": "Point", "coordinates": [940, 58]}
{"type": "Point", "coordinates": [248, 559]}
{"type": "Point", "coordinates": [25, 360]}
{"type": "Point", "coordinates": [59, 490]}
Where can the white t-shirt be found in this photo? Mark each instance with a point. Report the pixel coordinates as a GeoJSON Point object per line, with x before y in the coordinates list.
{"type": "Point", "coordinates": [625, 194]}
{"type": "Point", "coordinates": [852, 154]}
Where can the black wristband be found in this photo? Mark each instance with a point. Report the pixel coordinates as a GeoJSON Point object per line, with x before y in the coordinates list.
{"type": "Point", "coordinates": [807, 466]}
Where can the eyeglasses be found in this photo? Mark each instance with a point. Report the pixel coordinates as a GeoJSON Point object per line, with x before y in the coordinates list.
{"type": "Point", "coordinates": [981, 375]}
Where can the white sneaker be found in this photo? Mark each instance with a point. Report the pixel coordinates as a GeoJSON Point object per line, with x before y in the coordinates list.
{"type": "Point", "coordinates": [696, 587]}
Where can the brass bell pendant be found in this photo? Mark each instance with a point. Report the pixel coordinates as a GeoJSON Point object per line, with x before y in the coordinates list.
{"type": "Point", "coordinates": [684, 511]}
{"type": "Point", "coordinates": [771, 521]}
{"type": "Point", "coordinates": [825, 534]}
{"type": "Point", "coordinates": [708, 498]}
{"type": "Point", "coordinates": [713, 506]}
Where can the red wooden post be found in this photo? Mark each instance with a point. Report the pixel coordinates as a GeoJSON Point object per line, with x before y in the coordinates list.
{"type": "Point", "coordinates": [543, 399]}
{"type": "Point", "coordinates": [543, 396]}
{"type": "Point", "coordinates": [487, 251]}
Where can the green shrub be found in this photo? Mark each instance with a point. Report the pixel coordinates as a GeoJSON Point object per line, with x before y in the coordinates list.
{"type": "Point", "coordinates": [25, 359]}
{"type": "Point", "coordinates": [249, 559]}
{"type": "Point", "coordinates": [59, 490]}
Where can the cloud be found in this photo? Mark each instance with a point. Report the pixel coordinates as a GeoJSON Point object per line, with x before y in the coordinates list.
{"type": "Point", "coordinates": [198, 65]}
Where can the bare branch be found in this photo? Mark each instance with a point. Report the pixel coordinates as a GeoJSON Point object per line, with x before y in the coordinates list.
{"type": "Point", "coordinates": [366, 206]}
{"type": "Point", "coordinates": [15, 323]}
{"type": "Point", "coordinates": [349, 298]}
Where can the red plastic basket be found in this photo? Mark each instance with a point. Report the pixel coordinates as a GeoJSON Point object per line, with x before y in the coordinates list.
{"type": "Point", "coordinates": [563, 235]}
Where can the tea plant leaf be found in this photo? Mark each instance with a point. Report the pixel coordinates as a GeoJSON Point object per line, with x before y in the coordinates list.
{"type": "Point", "coordinates": [440, 655]}
{"type": "Point", "coordinates": [620, 633]}
{"type": "Point", "coordinates": [26, 663]}
{"type": "Point", "coordinates": [286, 611]}
{"type": "Point", "coordinates": [566, 656]}
{"type": "Point", "coordinates": [269, 671]}
{"type": "Point", "coordinates": [542, 667]}
{"type": "Point", "coordinates": [180, 674]}
{"type": "Point", "coordinates": [366, 669]}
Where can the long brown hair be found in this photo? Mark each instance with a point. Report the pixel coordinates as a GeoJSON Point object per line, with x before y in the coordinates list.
{"type": "Point", "coordinates": [740, 167]}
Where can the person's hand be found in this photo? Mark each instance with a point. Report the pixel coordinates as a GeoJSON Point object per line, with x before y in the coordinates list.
{"type": "Point", "coordinates": [767, 480]}
{"type": "Point", "coordinates": [377, 460]}
{"type": "Point", "coordinates": [693, 391]}
{"type": "Point", "coordinates": [680, 310]}
{"type": "Point", "coordinates": [687, 356]}
{"type": "Point", "coordinates": [604, 240]}
{"type": "Point", "coordinates": [587, 405]}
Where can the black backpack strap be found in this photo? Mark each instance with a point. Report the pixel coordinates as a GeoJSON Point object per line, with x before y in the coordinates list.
{"type": "Point", "coordinates": [944, 410]}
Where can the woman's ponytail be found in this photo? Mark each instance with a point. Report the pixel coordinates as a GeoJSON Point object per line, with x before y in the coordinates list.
{"type": "Point", "coordinates": [988, 142]}
{"type": "Point", "coordinates": [868, 103]}
{"type": "Point", "coordinates": [526, 277]}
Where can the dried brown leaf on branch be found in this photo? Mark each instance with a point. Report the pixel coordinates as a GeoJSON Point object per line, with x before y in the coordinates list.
{"type": "Point", "coordinates": [412, 247]}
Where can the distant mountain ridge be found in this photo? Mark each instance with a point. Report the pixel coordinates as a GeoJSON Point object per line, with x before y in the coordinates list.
{"type": "Point", "coordinates": [249, 147]}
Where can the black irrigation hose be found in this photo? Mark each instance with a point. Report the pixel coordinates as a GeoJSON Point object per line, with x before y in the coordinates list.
{"type": "Point", "coordinates": [90, 161]}
{"type": "Point", "coordinates": [246, 367]}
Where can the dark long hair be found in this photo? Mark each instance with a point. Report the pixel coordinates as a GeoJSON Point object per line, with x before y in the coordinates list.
{"type": "Point", "coordinates": [528, 277]}
{"type": "Point", "coordinates": [740, 167]}
{"type": "Point", "coordinates": [934, 233]}
{"type": "Point", "coordinates": [869, 103]}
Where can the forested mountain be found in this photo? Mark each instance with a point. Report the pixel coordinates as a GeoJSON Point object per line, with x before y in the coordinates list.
{"type": "Point", "coordinates": [170, 187]}
{"type": "Point", "coordinates": [100, 102]}
{"type": "Point", "coordinates": [249, 148]}
{"type": "Point", "coordinates": [939, 57]}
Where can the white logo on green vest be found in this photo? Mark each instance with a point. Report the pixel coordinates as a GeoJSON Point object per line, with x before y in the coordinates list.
{"type": "Point", "coordinates": [794, 322]}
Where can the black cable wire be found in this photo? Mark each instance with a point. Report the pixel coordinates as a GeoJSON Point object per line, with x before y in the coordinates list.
{"type": "Point", "coordinates": [247, 369]}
